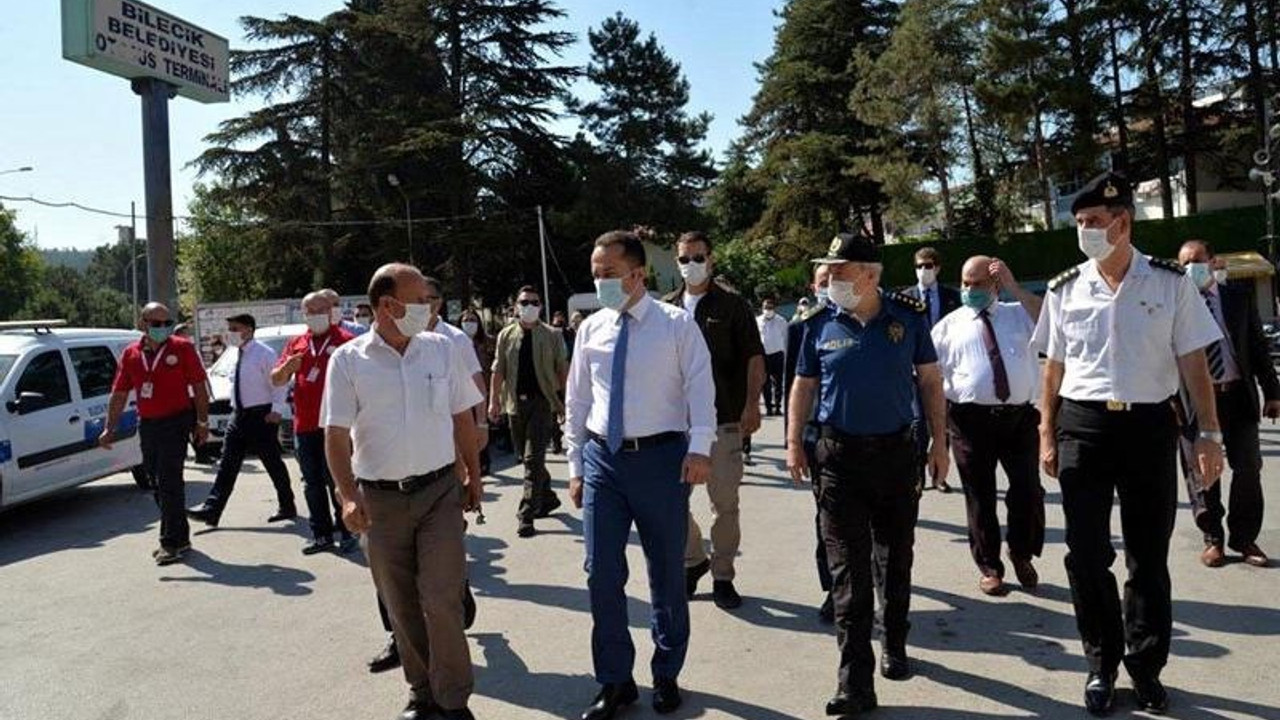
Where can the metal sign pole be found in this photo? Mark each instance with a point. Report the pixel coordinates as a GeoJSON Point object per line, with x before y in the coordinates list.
{"type": "Point", "coordinates": [161, 263]}
{"type": "Point", "coordinates": [546, 287]}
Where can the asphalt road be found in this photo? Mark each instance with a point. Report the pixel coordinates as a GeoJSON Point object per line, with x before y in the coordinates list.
{"type": "Point", "coordinates": [250, 629]}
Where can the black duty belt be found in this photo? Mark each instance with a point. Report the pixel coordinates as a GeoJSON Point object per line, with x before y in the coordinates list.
{"type": "Point", "coordinates": [1118, 406]}
{"type": "Point", "coordinates": [868, 441]}
{"type": "Point", "coordinates": [640, 443]}
{"type": "Point", "coordinates": [991, 409]}
{"type": "Point", "coordinates": [411, 484]}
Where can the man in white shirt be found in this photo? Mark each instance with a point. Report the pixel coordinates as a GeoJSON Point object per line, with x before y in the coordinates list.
{"type": "Point", "coordinates": [397, 404]}
{"type": "Point", "coordinates": [640, 421]}
{"type": "Point", "coordinates": [773, 335]}
{"type": "Point", "coordinates": [989, 376]}
{"type": "Point", "coordinates": [257, 406]}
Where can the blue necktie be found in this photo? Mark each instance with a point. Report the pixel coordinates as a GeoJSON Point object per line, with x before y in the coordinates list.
{"type": "Point", "coordinates": [618, 387]}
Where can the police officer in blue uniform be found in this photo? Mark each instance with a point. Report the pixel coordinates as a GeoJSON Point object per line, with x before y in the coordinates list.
{"type": "Point", "coordinates": [861, 358]}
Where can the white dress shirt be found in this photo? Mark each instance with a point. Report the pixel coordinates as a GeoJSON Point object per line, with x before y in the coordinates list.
{"type": "Point", "coordinates": [1124, 344]}
{"type": "Point", "coordinates": [253, 374]}
{"type": "Point", "coordinates": [773, 334]}
{"type": "Point", "coordinates": [462, 343]}
{"type": "Point", "coordinates": [967, 373]}
{"type": "Point", "coordinates": [1230, 368]}
{"type": "Point", "coordinates": [399, 407]}
{"type": "Point", "coordinates": [668, 379]}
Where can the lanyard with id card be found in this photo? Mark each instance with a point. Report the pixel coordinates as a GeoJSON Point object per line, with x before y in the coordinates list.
{"type": "Point", "coordinates": [148, 389]}
{"type": "Point", "coordinates": [313, 375]}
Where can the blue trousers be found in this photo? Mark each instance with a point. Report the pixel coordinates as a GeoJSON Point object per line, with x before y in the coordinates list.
{"type": "Point", "coordinates": [643, 487]}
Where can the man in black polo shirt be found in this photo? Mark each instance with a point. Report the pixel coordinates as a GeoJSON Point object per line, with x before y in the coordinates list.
{"type": "Point", "coordinates": [737, 365]}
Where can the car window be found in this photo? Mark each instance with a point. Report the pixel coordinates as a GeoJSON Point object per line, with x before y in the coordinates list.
{"type": "Point", "coordinates": [6, 364]}
{"type": "Point", "coordinates": [46, 374]}
{"type": "Point", "coordinates": [95, 368]}
{"type": "Point", "coordinates": [224, 366]}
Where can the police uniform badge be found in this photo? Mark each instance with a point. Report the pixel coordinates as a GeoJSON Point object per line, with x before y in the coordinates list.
{"type": "Point", "coordinates": [1110, 191]}
{"type": "Point", "coordinates": [896, 332]}
{"type": "Point", "coordinates": [835, 246]}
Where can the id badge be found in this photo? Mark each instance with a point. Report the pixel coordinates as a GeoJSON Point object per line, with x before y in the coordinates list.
{"type": "Point", "coordinates": [314, 375]}
{"type": "Point", "coordinates": [147, 390]}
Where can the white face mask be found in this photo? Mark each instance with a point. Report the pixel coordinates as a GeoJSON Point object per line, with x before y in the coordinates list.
{"type": "Point", "coordinates": [768, 314]}
{"type": "Point", "coordinates": [1220, 276]}
{"type": "Point", "coordinates": [470, 327]}
{"type": "Point", "coordinates": [842, 294]}
{"type": "Point", "coordinates": [417, 316]}
{"type": "Point", "coordinates": [1093, 242]}
{"type": "Point", "coordinates": [927, 276]}
{"type": "Point", "coordinates": [529, 313]}
{"type": "Point", "coordinates": [610, 293]}
{"type": "Point", "coordinates": [694, 273]}
{"type": "Point", "coordinates": [233, 339]}
{"type": "Point", "coordinates": [365, 320]}
{"type": "Point", "coordinates": [319, 323]}
{"type": "Point", "coordinates": [822, 295]}
{"type": "Point", "coordinates": [1200, 274]}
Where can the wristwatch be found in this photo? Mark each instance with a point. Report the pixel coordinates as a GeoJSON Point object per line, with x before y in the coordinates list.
{"type": "Point", "coordinates": [1211, 435]}
{"type": "Point", "coordinates": [202, 423]}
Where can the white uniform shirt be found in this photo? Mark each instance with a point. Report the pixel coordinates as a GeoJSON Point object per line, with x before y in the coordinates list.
{"type": "Point", "coordinates": [463, 343]}
{"type": "Point", "coordinates": [668, 379]}
{"type": "Point", "coordinates": [1123, 345]}
{"type": "Point", "coordinates": [1230, 368]}
{"type": "Point", "coordinates": [967, 373]}
{"type": "Point", "coordinates": [253, 374]}
{"type": "Point", "coordinates": [773, 334]}
{"type": "Point", "coordinates": [399, 408]}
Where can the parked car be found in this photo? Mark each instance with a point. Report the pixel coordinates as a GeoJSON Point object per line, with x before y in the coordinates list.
{"type": "Point", "coordinates": [55, 383]}
{"type": "Point", "coordinates": [220, 374]}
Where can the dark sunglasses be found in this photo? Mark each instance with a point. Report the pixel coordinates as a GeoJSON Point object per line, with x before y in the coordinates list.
{"type": "Point", "coordinates": [925, 266]}
{"type": "Point", "coordinates": [527, 303]}
{"type": "Point", "coordinates": [686, 259]}
{"type": "Point", "coordinates": [160, 323]}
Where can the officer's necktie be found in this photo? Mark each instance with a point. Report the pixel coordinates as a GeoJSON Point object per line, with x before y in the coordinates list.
{"type": "Point", "coordinates": [1214, 353]}
{"type": "Point", "coordinates": [618, 386]}
{"type": "Point", "coordinates": [236, 384]}
{"type": "Point", "coordinates": [993, 353]}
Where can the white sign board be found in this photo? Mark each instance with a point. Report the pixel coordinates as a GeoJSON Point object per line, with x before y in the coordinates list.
{"type": "Point", "coordinates": [134, 40]}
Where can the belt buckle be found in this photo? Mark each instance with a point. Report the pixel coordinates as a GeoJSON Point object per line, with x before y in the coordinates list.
{"type": "Point", "coordinates": [631, 444]}
{"type": "Point", "coordinates": [1117, 406]}
{"type": "Point", "coordinates": [403, 485]}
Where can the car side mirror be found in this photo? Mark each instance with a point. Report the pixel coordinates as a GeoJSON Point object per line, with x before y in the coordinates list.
{"type": "Point", "coordinates": [26, 402]}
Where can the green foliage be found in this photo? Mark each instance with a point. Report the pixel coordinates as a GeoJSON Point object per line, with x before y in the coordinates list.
{"type": "Point", "coordinates": [20, 266]}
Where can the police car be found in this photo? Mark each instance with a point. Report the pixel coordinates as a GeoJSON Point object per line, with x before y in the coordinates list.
{"type": "Point", "coordinates": [224, 368]}
{"type": "Point", "coordinates": [55, 382]}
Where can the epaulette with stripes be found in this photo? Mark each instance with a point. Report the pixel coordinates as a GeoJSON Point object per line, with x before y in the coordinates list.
{"type": "Point", "coordinates": [906, 301]}
{"type": "Point", "coordinates": [1064, 277]}
{"type": "Point", "coordinates": [1165, 264]}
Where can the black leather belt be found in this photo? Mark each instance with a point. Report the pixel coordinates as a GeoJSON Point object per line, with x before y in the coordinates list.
{"type": "Point", "coordinates": [640, 443]}
{"type": "Point", "coordinates": [1225, 387]}
{"type": "Point", "coordinates": [411, 484]}
{"type": "Point", "coordinates": [887, 439]}
{"type": "Point", "coordinates": [1118, 406]}
{"type": "Point", "coordinates": [991, 409]}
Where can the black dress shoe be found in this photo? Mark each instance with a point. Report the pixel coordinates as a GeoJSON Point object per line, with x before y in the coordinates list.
{"type": "Point", "coordinates": [459, 714]}
{"type": "Point", "coordinates": [612, 698]}
{"type": "Point", "coordinates": [549, 506]}
{"type": "Point", "coordinates": [894, 665]}
{"type": "Point", "coordinates": [725, 596]}
{"type": "Point", "coordinates": [348, 543]}
{"type": "Point", "coordinates": [206, 514]}
{"type": "Point", "coordinates": [827, 613]}
{"type": "Point", "coordinates": [851, 703]}
{"type": "Point", "coordinates": [693, 575]}
{"type": "Point", "coordinates": [666, 696]}
{"type": "Point", "coordinates": [526, 529]}
{"type": "Point", "coordinates": [1099, 693]}
{"type": "Point", "coordinates": [419, 710]}
{"type": "Point", "coordinates": [1152, 696]}
{"type": "Point", "coordinates": [468, 607]}
{"type": "Point", "coordinates": [317, 545]}
{"type": "Point", "coordinates": [284, 513]}
{"type": "Point", "coordinates": [386, 660]}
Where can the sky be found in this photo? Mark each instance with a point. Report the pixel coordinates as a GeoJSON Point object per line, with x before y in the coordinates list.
{"type": "Point", "coordinates": [81, 129]}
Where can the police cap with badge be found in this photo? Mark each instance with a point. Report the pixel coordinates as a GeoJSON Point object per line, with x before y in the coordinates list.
{"type": "Point", "coordinates": [1110, 189]}
{"type": "Point", "coordinates": [847, 247]}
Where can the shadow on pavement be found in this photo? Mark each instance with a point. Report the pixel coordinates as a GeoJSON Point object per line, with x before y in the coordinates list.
{"type": "Point", "coordinates": [276, 578]}
{"type": "Point", "coordinates": [80, 518]}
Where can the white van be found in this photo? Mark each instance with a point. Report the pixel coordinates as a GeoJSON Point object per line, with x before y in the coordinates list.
{"type": "Point", "coordinates": [54, 386]}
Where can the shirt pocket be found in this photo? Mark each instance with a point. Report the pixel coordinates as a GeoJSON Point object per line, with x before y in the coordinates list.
{"type": "Point", "coordinates": [438, 395]}
{"type": "Point", "coordinates": [1082, 332]}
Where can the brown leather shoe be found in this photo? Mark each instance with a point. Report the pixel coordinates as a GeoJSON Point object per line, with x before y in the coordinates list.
{"type": "Point", "coordinates": [1028, 578]}
{"type": "Point", "coordinates": [1213, 556]}
{"type": "Point", "coordinates": [1253, 555]}
{"type": "Point", "coordinates": [991, 585]}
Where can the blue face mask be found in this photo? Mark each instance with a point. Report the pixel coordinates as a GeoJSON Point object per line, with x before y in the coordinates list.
{"type": "Point", "coordinates": [609, 293]}
{"type": "Point", "coordinates": [159, 334]}
{"type": "Point", "coordinates": [975, 298]}
{"type": "Point", "coordinates": [822, 295]}
{"type": "Point", "coordinates": [1201, 274]}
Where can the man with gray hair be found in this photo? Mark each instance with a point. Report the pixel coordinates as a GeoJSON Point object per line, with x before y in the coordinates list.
{"type": "Point", "coordinates": [335, 309]}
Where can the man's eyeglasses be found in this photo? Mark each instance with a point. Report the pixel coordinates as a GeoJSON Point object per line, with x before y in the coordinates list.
{"type": "Point", "coordinates": [160, 323]}
{"type": "Point", "coordinates": [925, 266]}
{"type": "Point", "coordinates": [686, 259]}
{"type": "Point", "coordinates": [527, 303]}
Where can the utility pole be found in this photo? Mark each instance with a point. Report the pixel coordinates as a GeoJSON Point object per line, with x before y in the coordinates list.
{"type": "Point", "coordinates": [546, 287]}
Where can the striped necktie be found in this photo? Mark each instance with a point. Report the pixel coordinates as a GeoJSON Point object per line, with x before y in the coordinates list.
{"type": "Point", "coordinates": [1215, 352]}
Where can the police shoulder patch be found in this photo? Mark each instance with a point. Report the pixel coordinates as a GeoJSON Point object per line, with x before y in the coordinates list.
{"type": "Point", "coordinates": [1064, 277]}
{"type": "Point", "coordinates": [811, 313]}
{"type": "Point", "coordinates": [905, 301]}
{"type": "Point", "coordinates": [1165, 264]}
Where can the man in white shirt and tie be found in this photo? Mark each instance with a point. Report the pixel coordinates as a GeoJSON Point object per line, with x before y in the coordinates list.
{"type": "Point", "coordinates": [640, 421]}
{"type": "Point", "coordinates": [990, 378]}
{"type": "Point", "coordinates": [397, 411]}
{"type": "Point", "coordinates": [257, 405]}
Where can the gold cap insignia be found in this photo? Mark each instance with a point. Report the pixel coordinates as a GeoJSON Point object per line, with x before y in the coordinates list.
{"type": "Point", "coordinates": [1110, 191]}
{"type": "Point", "coordinates": [835, 246]}
{"type": "Point", "coordinates": [896, 332]}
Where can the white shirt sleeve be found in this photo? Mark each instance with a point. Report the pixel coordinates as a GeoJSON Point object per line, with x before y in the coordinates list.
{"type": "Point", "coordinates": [339, 406]}
{"type": "Point", "coordinates": [577, 404]}
{"type": "Point", "coordinates": [699, 387]}
{"type": "Point", "coordinates": [939, 335]}
{"type": "Point", "coordinates": [463, 393]}
{"type": "Point", "coordinates": [1048, 337]}
{"type": "Point", "coordinates": [1193, 324]}
{"type": "Point", "coordinates": [279, 393]}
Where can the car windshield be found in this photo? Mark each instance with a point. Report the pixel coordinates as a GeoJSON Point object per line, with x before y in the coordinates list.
{"type": "Point", "coordinates": [6, 364]}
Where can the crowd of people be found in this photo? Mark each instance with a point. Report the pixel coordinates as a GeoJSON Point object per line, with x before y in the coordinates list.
{"type": "Point", "coordinates": [1126, 364]}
